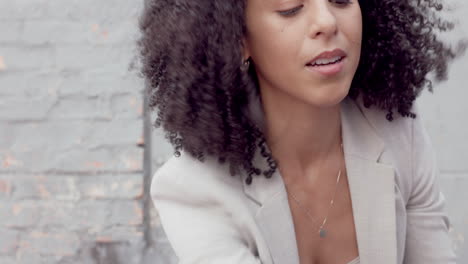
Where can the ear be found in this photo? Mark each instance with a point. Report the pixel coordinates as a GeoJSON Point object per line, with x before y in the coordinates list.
{"type": "Point", "coordinates": [245, 49]}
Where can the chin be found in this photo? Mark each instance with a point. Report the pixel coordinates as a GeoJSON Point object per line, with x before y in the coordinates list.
{"type": "Point", "coordinates": [327, 98]}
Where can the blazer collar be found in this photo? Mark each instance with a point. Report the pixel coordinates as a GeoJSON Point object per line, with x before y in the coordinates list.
{"type": "Point", "coordinates": [371, 187]}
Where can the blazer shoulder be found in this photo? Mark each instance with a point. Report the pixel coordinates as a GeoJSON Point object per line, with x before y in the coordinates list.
{"type": "Point", "coordinates": [407, 144]}
{"type": "Point", "coordinates": [201, 212]}
{"type": "Point", "coordinates": [396, 132]}
{"type": "Point", "coordinates": [188, 176]}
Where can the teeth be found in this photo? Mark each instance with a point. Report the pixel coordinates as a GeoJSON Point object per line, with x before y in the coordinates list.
{"type": "Point", "coordinates": [326, 61]}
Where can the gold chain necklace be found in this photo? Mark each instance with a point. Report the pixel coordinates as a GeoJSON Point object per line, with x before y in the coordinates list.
{"type": "Point", "coordinates": [322, 232]}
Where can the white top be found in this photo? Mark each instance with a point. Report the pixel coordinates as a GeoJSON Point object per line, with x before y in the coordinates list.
{"type": "Point", "coordinates": [355, 261]}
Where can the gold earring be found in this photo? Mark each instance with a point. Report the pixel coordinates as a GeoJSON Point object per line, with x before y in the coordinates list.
{"type": "Point", "coordinates": [245, 64]}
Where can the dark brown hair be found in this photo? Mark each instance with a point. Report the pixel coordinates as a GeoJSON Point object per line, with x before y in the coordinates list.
{"type": "Point", "coordinates": [191, 58]}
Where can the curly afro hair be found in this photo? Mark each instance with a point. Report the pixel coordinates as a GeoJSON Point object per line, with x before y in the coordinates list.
{"type": "Point", "coordinates": [191, 53]}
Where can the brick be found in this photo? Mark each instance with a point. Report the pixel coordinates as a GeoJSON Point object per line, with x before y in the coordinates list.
{"type": "Point", "coordinates": [120, 233]}
{"type": "Point", "coordinates": [93, 57]}
{"type": "Point", "coordinates": [105, 158]}
{"type": "Point", "coordinates": [8, 241]}
{"type": "Point", "coordinates": [11, 31]}
{"type": "Point", "coordinates": [117, 32]}
{"type": "Point", "coordinates": [27, 58]}
{"type": "Point", "coordinates": [30, 85]}
{"type": "Point", "coordinates": [54, 135]}
{"type": "Point", "coordinates": [24, 256]}
{"type": "Point", "coordinates": [80, 107]}
{"type": "Point", "coordinates": [55, 32]}
{"type": "Point", "coordinates": [79, 32]}
{"type": "Point", "coordinates": [91, 215]}
{"type": "Point", "coordinates": [20, 9]}
{"type": "Point", "coordinates": [128, 213]}
{"type": "Point", "coordinates": [126, 105]}
{"type": "Point", "coordinates": [111, 187]}
{"type": "Point", "coordinates": [26, 109]}
{"type": "Point", "coordinates": [50, 243]}
{"type": "Point", "coordinates": [72, 82]}
{"type": "Point", "coordinates": [8, 260]}
{"type": "Point", "coordinates": [103, 81]}
{"type": "Point", "coordinates": [19, 214]}
{"type": "Point", "coordinates": [128, 252]}
{"type": "Point", "coordinates": [73, 188]}
{"type": "Point", "coordinates": [115, 133]}
{"type": "Point", "coordinates": [80, 10]}
{"type": "Point", "coordinates": [77, 10]}
{"type": "Point", "coordinates": [97, 82]}
{"type": "Point", "coordinates": [78, 159]}
{"type": "Point", "coordinates": [75, 216]}
{"type": "Point", "coordinates": [44, 187]}
{"type": "Point", "coordinates": [72, 145]}
{"type": "Point", "coordinates": [36, 84]}
{"type": "Point", "coordinates": [5, 188]}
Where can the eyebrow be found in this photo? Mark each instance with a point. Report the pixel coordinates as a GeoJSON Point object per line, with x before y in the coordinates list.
{"type": "Point", "coordinates": [284, 1]}
{"type": "Point", "coordinates": [281, 2]}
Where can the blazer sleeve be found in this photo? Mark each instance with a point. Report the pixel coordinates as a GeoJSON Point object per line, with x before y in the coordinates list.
{"type": "Point", "coordinates": [427, 239]}
{"type": "Point", "coordinates": [198, 228]}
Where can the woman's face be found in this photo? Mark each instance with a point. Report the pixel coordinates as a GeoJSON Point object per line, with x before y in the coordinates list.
{"type": "Point", "coordinates": [283, 36]}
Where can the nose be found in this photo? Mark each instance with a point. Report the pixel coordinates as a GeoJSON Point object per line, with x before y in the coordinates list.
{"type": "Point", "coordinates": [322, 19]}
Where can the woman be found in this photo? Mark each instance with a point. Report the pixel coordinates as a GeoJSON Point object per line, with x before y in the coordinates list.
{"type": "Point", "coordinates": [295, 100]}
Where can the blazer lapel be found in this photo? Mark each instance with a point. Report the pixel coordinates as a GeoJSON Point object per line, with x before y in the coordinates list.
{"type": "Point", "coordinates": [372, 187]}
{"type": "Point", "coordinates": [274, 217]}
{"type": "Point", "coordinates": [372, 192]}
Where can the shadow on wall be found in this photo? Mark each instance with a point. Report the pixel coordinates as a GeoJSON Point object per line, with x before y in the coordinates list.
{"type": "Point", "coordinates": [111, 252]}
{"type": "Point", "coordinates": [107, 253]}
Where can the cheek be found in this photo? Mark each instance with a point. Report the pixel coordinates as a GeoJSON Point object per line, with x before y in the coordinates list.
{"type": "Point", "coordinates": [275, 44]}
{"type": "Point", "coordinates": [274, 51]}
{"type": "Point", "coordinates": [273, 40]}
{"type": "Point", "coordinates": [354, 36]}
{"type": "Point", "coordinates": [354, 28]}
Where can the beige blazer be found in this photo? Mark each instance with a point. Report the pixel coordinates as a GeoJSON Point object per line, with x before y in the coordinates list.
{"type": "Point", "coordinates": [210, 217]}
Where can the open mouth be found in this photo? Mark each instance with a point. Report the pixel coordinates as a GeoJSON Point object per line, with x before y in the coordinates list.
{"type": "Point", "coordinates": [319, 63]}
{"type": "Point", "coordinates": [329, 67]}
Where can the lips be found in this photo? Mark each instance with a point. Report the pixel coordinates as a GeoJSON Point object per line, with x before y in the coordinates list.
{"type": "Point", "coordinates": [328, 55]}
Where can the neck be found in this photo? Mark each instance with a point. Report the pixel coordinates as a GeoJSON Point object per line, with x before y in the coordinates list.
{"type": "Point", "coordinates": [300, 135]}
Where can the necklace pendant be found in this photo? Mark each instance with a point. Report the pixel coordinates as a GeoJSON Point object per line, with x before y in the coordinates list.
{"type": "Point", "coordinates": [322, 232]}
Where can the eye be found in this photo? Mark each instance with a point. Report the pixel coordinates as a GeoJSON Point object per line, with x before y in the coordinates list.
{"type": "Point", "coordinates": [290, 12]}
{"type": "Point", "coordinates": [341, 2]}
{"type": "Point", "coordinates": [293, 11]}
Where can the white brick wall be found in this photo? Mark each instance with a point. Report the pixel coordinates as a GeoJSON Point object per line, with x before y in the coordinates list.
{"type": "Point", "coordinates": [71, 133]}
{"type": "Point", "coordinates": [445, 112]}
